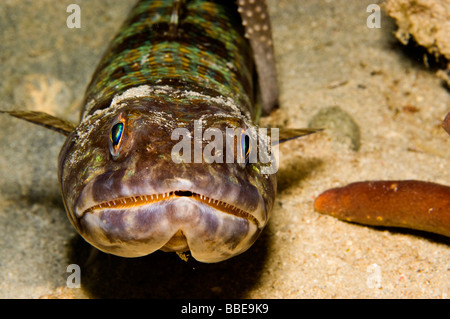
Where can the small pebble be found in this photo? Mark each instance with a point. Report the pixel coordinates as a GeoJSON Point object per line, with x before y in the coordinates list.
{"type": "Point", "coordinates": [339, 125]}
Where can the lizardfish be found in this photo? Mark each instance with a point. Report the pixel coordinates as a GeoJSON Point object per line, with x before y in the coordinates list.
{"type": "Point", "coordinates": [175, 67]}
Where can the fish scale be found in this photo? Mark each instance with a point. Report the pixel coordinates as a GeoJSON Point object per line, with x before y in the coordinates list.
{"type": "Point", "coordinates": [207, 54]}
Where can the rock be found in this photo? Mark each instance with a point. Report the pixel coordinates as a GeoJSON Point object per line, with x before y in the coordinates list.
{"type": "Point", "coordinates": [426, 21]}
{"type": "Point", "coordinates": [339, 124]}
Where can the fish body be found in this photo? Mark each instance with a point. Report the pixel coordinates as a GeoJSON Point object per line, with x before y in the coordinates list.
{"type": "Point", "coordinates": [204, 50]}
{"type": "Point", "coordinates": [133, 172]}
{"type": "Point", "coordinates": [173, 64]}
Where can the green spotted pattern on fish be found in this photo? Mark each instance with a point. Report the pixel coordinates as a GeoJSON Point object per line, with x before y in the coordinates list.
{"type": "Point", "coordinates": [173, 64]}
{"type": "Point", "coordinates": [145, 52]}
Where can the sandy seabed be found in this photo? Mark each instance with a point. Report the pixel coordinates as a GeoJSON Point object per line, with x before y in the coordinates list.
{"type": "Point", "coordinates": [326, 56]}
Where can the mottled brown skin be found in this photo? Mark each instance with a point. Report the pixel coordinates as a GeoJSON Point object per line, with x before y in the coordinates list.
{"type": "Point", "coordinates": [409, 204]}
{"type": "Point", "coordinates": [145, 167]}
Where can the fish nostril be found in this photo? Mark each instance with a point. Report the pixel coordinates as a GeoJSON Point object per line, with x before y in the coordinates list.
{"type": "Point", "coordinates": [183, 193]}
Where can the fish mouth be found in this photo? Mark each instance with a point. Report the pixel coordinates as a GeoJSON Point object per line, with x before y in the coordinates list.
{"type": "Point", "coordinates": [177, 221]}
{"type": "Point", "coordinates": [140, 200]}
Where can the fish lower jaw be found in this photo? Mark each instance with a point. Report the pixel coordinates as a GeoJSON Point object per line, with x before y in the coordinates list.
{"type": "Point", "coordinates": [178, 243]}
{"type": "Point", "coordinates": [176, 224]}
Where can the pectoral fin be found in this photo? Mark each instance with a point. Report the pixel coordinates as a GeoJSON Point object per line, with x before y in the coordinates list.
{"type": "Point", "coordinates": [46, 120]}
{"type": "Point", "coordinates": [287, 134]}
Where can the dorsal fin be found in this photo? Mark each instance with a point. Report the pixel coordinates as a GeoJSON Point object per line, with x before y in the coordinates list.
{"type": "Point", "coordinates": [256, 20]}
{"type": "Point", "coordinates": [46, 120]}
{"type": "Point", "coordinates": [177, 8]}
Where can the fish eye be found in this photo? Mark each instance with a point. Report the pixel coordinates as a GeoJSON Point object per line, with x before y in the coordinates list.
{"type": "Point", "coordinates": [245, 148]}
{"type": "Point", "coordinates": [116, 138]}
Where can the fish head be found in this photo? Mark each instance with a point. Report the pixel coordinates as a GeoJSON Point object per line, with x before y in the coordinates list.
{"type": "Point", "coordinates": [132, 181]}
